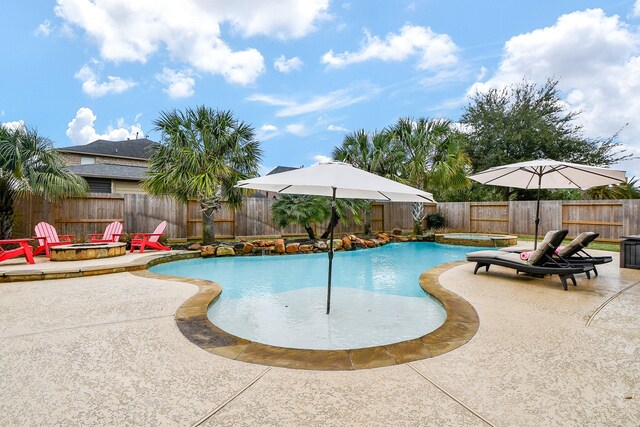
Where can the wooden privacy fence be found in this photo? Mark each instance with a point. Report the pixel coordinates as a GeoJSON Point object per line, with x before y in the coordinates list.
{"type": "Point", "coordinates": [142, 213]}
{"type": "Point", "coordinates": [610, 218]}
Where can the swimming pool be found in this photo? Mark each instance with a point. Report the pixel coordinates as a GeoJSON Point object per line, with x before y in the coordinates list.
{"type": "Point", "coordinates": [280, 300]}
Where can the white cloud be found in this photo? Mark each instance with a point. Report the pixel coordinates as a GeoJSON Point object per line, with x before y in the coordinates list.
{"type": "Point", "coordinates": [269, 128]}
{"type": "Point", "coordinates": [433, 50]}
{"type": "Point", "coordinates": [297, 129]}
{"type": "Point", "coordinates": [321, 158]}
{"type": "Point", "coordinates": [331, 101]}
{"type": "Point", "coordinates": [285, 65]}
{"type": "Point", "coordinates": [597, 61]}
{"type": "Point", "coordinates": [636, 9]}
{"type": "Point", "coordinates": [81, 129]}
{"type": "Point", "coordinates": [179, 83]}
{"type": "Point", "coordinates": [14, 125]}
{"type": "Point", "coordinates": [92, 87]}
{"type": "Point", "coordinates": [190, 30]}
{"type": "Point", "coordinates": [337, 128]}
{"type": "Point", "coordinates": [44, 29]}
{"type": "Point", "coordinates": [267, 131]}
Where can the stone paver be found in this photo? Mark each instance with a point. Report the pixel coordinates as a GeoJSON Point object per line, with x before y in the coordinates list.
{"type": "Point", "coordinates": [106, 350]}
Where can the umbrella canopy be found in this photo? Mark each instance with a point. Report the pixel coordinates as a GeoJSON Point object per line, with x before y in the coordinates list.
{"type": "Point", "coordinates": [349, 183]}
{"type": "Point", "coordinates": [336, 180]}
{"type": "Point", "coordinates": [548, 174]}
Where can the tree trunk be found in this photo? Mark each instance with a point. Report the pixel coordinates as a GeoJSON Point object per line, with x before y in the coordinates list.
{"type": "Point", "coordinates": [7, 213]}
{"type": "Point", "coordinates": [208, 226]}
{"type": "Point", "coordinates": [332, 224]}
{"type": "Point", "coordinates": [506, 192]}
{"type": "Point", "coordinates": [310, 232]}
{"type": "Point", "coordinates": [367, 220]}
{"type": "Point", "coordinates": [6, 224]}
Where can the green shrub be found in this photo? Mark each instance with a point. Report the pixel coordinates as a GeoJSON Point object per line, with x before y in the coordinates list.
{"type": "Point", "coordinates": [435, 220]}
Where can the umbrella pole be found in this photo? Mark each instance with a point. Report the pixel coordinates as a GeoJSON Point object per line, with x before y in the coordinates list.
{"type": "Point", "coordinates": [333, 212]}
{"type": "Point", "coordinates": [535, 240]}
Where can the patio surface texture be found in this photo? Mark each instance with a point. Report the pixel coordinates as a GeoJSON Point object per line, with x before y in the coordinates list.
{"type": "Point", "coordinates": [105, 350]}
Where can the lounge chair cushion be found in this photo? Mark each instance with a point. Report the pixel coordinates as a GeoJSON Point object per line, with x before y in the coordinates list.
{"type": "Point", "coordinates": [537, 256]}
{"type": "Point", "coordinates": [576, 244]}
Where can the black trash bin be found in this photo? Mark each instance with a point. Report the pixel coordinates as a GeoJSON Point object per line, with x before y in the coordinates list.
{"type": "Point", "coordinates": [630, 251]}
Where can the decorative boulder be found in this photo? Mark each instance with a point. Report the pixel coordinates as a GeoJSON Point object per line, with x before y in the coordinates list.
{"type": "Point", "coordinates": [305, 248]}
{"type": "Point", "coordinates": [195, 247]}
{"type": "Point", "coordinates": [292, 248]}
{"type": "Point", "coordinates": [321, 245]}
{"type": "Point", "coordinates": [248, 248]}
{"type": "Point", "coordinates": [358, 243]}
{"type": "Point", "coordinates": [279, 246]}
{"type": "Point", "coordinates": [346, 243]}
{"type": "Point", "coordinates": [337, 244]}
{"type": "Point", "coordinates": [225, 251]}
{"type": "Point", "coordinates": [208, 250]}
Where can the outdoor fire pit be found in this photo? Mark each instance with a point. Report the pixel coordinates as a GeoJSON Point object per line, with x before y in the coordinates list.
{"type": "Point", "coordinates": [81, 251]}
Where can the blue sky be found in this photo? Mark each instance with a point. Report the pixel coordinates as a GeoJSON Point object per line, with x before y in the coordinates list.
{"type": "Point", "coordinates": [304, 73]}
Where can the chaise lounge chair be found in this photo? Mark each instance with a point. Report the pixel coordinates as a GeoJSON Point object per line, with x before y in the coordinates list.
{"type": "Point", "coordinates": [540, 262]}
{"type": "Point", "coordinates": [574, 252]}
{"type": "Point", "coordinates": [48, 236]}
{"type": "Point", "coordinates": [150, 240]}
{"type": "Point", "coordinates": [111, 234]}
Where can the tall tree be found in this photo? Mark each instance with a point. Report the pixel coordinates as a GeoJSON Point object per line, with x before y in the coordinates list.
{"type": "Point", "coordinates": [204, 153]}
{"type": "Point", "coordinates": [433, 158]}
{"type": "Point", "coordinates": [30, 166]}
{"type": "Point", "coordinates": [372, 152]}
{"type": "Point", "coordinates": [526, 122]}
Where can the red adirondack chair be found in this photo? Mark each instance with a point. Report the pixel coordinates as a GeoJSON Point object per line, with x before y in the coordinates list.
{"type": "Point", "coordinates": [24, 250]}
{"type": "Point", "coordinates": [150, 240]}
{"type": "Point", "coordinates": [111, 234]}
{"type": "Point", "coordinates": [48, 236]}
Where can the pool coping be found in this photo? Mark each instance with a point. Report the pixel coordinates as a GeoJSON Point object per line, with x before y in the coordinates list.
{"type": "Point", "coordinates": [460, 326]}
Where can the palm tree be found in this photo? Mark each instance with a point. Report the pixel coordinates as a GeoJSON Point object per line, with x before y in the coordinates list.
{"type": "Point", "coordinates": [626, 190]}
{"type": "Point", "coordinates": [344, 207]}
{"type": "Point", "coordinates": [299, 209]}
{"type": "Point", "coordinates": [204, 153]}
{"type": "Point", "coordinates": [30, 166]}
{"type": "Point", "coordinates": [433, 158]}
{"type": "Point", "coordinates": [372, 152]}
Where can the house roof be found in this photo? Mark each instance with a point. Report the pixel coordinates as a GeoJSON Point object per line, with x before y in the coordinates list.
{"type": "Point", "coordinates": [102, 170]}
{"type": "Point", "coordinates": [141, 148]}
{"type": "Point", "coordinates": [280, 169]}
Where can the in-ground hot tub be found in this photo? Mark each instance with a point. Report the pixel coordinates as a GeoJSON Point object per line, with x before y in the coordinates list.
{"type": "Point", "coordinates": [474, 239]}
{"type": "Point", "coordinates": [81, 251]}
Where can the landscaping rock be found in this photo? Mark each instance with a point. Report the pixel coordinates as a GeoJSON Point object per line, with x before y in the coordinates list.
{"type": "Point", "coordinates": [337, 244]}
{"type": "Point", "coordinates": [358, 243]}
{"type": "Point", "coordinates": [292, 248]}
{"type": "Point", "coordinates": [194, 247]}
{"type": "Point", "coordinates": [225, 251]}
{"type": "Point", "coordinates": [321, 245]}
{"type": "Point", "coordinates": [248, 248]}
{"type": "Point", "coordinates": [370, 243]}
{"type": "Point", "coordinates": [208, 250]}
{"type": "Point", "coordinates": [346, 243]}
{"type": "Point", "coordinates": [305, 248]}
{"type": "Point", "coordinates": [279, 246]}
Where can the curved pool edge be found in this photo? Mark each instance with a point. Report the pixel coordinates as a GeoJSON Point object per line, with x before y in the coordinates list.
{"type": "Point", "coordinates": [461, 325]}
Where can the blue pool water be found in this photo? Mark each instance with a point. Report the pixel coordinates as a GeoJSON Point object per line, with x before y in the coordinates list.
{"type": "Point", "coordinates": [281, 300]}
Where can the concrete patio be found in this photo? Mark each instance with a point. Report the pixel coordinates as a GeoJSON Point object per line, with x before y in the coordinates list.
{"type": "Point", "coordinates": [106, 350]}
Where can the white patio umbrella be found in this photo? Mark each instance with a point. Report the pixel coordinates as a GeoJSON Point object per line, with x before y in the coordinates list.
{"type": "Point", "coordinates": [548, 174]}
{"type": "Point", "coordinates": [336, 180]}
